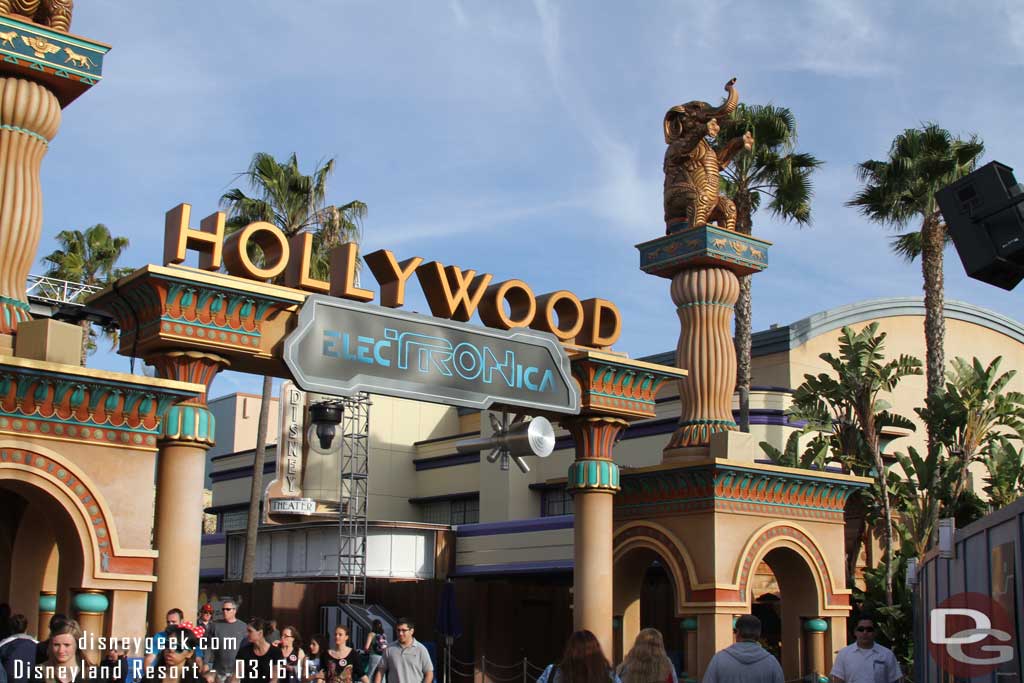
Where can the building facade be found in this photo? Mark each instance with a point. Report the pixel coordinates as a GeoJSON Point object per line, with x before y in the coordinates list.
{"type": "Point", "coordinates": [436, 512]}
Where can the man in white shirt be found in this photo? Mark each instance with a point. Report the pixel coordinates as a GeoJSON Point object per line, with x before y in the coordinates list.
{"type": "Point", "coordinates": [865, 661]}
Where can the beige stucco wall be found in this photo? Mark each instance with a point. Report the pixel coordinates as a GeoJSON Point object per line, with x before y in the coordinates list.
{"type": "Point", "coordinates": [534, 546]}
{"type": "Point", "coordinates": [123, 477]}
{"type": "Point", "coordinates": [395, 427]}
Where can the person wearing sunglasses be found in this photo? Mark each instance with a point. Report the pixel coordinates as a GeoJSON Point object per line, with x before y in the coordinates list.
{"type": "Point", "coordinates": [864, 660]}
{"type": "Point", "coordinates": [227, 635]}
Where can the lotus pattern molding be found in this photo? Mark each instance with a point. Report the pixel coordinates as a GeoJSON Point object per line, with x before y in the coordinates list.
{"type": "Point", "coordinates": [619, 387]}
{"type": "Point", "coordinates": [729, 488]}
{"type": "Point", "coordinates": [50, 405]}
{"type": "Point", "coordinates": [190, 314]}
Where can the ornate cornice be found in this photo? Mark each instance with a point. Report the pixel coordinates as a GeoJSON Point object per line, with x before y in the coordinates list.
{"type": "Point", "coordinates": [618, 386]}
{"type": "Point", "coordinates": [735, 488]}
{"type": "Point", "coordinates": [164, 308]}
{"type": "Point", "coordinates": [706, 246]}
{"type": "Point", "coordinates": [67, 65]}
{"type": "Point", "coordinates": [52, 401]}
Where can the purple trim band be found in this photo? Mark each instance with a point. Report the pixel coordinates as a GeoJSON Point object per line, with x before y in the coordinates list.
{"type": "Point", "coordinates": [516, 526]}
{"type": "Point", "coordinates": [240, 472]}
{"type": "Point", "coordinates": [464, 435]}
{"type": "Point", "coordinates": [451, 460]}
{"type": "Point", "coordinates": [214, 573]}
{"type": "Point", "coordinates": [515, 568]}
{"type": "Point", "coordinates": [213, 539]}
{"type": "Point", "coordinates": [465, 495]}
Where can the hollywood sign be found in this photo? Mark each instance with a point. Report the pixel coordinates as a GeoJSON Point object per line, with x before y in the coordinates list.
{"type": "Point", "coordinates": [451, 292]}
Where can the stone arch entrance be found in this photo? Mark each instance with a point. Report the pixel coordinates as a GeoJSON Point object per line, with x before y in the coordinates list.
{"type": "Point", "coordinates": [50, 555]}
{"type": "Point", "coordinates": [649, 564]}
{"type": "Point", "coordinates": [800, 581]}
{"type": "Point", "coordinates": [59, 545]}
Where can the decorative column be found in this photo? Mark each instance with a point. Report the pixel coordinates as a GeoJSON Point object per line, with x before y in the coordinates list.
{"type": "Point", "coordinates": [703, 264]}
{"type": "Point", "coordinates": [704, 299]}
{"type": "Point", "coordinates": [593, 480]}
{"type": "Point", "coordinates": [814, 648]}
{"type": "Point", "coordinates": [90, 606]}
{"type": "Point", "coordinates": [187, 432]}
{"type": "Point", "coordinates": [613, 391]}
{"type": "Point", "coordinates": [29, 119]}
{"type": "Point", "coordinates": [689, 626]}
{"type": "Point", "coordinates": [47, 608]}
{"type": "Point", "coordinates": [44, 70]}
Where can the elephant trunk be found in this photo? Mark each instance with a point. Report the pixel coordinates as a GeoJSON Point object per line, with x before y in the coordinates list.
{"type": "Point", "coordinates": [729, 106]}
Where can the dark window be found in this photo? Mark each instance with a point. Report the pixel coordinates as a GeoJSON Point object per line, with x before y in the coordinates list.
{"type": "Point", "coordinates": [555, 502]}
{"type": "Point", "coordinates": [452, 511]}
{"type": "Point", "coordinates": [465, 511]}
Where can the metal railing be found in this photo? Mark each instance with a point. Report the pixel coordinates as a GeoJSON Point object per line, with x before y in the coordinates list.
{"type": "Point", "coordinates": [54, 291]}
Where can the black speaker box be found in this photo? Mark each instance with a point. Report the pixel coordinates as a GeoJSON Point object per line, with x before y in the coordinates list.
{"type": "Point", "coordinates": [986, 226]}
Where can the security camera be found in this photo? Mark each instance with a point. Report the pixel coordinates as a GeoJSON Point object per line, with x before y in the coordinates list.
{"type": "Point", "coordinates": [323, 435]}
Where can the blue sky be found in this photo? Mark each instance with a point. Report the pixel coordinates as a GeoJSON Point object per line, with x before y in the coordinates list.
{"type": "Point", "coordinates": [524, 139]}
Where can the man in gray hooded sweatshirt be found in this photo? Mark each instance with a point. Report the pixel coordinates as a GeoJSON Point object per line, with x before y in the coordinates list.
{"type": "Point", "coordinates": [745, 661]}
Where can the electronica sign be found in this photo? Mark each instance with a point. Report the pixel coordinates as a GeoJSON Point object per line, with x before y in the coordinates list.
{"type": "Point", "coordinates": [342, 347]}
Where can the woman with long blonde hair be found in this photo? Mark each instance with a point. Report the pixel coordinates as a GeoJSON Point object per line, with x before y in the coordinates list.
{"type": "Point", "coordinates": [647, 661]}
{"type": "Point", "coordinates": [65, 663]}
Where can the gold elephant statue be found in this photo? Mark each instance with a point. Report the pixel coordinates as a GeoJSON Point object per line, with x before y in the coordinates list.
{"type": "Point", "coordinates": [692, 165]}
{"type": "Point", "coordinates": [55, 14]}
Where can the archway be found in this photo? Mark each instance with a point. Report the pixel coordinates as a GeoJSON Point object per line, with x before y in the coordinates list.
{"type": "Point", "coordinates": [785, 583]}
{"type": "Point", "coordinates": [48, 553]}
{"type": "Point", "coordinates": [650, 585]}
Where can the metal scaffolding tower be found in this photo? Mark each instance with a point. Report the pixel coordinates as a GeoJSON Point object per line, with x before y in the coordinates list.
{"type": "Point", "coordinates": [355, 468]}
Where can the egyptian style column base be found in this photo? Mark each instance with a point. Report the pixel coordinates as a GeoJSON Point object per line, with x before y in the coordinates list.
{"type": "Point", "coordinates": [29, 119]}
{"type": "Point", "coordinates": [814, 648]}
{"type": "Point", "coordinates": [91, 606]}
{"type": "Point", "coordinates": [689, 626]}
{"type": "Point", "coordinates": [47, 608]}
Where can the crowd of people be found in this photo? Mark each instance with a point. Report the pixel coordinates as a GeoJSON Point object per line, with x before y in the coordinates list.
{"type": "Point", "coordinates": [745, 661]}
{"type": "Point", "coordinates": [229, 650]}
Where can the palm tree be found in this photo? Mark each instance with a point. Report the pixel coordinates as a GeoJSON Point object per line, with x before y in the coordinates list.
{"type": "Point", "coordinates": [771, 168]}
{"type": "Point", "coordinates": [901, 190]}
{"type": "Point", "coordinates": [295, 203]}
{"type": "Point", "coordinates": [973, 413]}
{"type": "Point", "coordinates": [848, 405]}
{"type": "Point", "coordinates": [88, 257]}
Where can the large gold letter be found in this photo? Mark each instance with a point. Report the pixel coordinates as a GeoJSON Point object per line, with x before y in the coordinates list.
{"type": "Point", "coordinates": [208, 240]}
{"type": "Point", "coordinates": [343, 274]}
{"type": "Point", "coordinates": [521, 303]}
{"type": "Point", "coordinates": [569, 310]}
{"type": "Point", "coordinates": [391, 275]}
{"type": "Point", "coordinates": [603, 324]}
{"type": "Point", "coordinates": [447, 290]}
{"type": "Point", "coordinates": [297, 273]}
{"type": "Point", "coordinates": [271, 242]}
